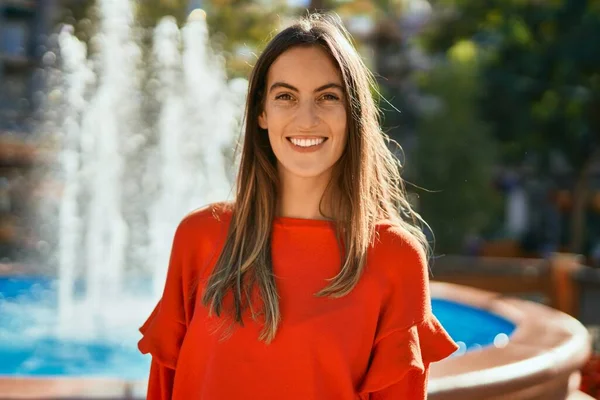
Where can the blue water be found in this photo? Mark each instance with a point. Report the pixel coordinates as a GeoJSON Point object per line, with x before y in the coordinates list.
{"type": "Point", "coordinates": [47, 356]}
{"type": "Point", "coordinates": [472, 327]}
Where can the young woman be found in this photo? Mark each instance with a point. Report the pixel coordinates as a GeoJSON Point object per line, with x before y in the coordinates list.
{"type": "Point", "coordinates": [313, 283]}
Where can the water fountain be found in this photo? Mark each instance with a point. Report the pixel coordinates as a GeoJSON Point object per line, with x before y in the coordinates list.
{"type": "Point", "coordinates": [141, 145]}
{"type": "Point", "coordinates": [127, 183]}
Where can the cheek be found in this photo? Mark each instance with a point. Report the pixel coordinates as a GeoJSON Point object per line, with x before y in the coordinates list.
{"type": "Point", "coordinates": [342, 144]}
{"type": "Point", "coordinates": [340, 128]}
{"type": "Point", "coordinates": [276, 119]}
{"type": "Point", "coordinates": [275, 134]}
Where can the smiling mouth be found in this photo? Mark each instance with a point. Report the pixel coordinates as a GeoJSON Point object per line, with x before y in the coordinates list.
{"type": "Point", "coordinates": [307, 142]}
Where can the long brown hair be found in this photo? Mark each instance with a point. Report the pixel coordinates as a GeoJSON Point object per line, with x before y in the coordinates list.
{"type": "Point", "coordinates": [366, 183]}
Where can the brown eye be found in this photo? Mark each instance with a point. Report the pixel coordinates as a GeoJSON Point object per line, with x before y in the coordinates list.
{"type": "Point", "coordinates": [330, 97]}
{"type": "Point", "coordinates": [283, 96]}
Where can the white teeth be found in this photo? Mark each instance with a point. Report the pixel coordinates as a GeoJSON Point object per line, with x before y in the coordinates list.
{"type": "Point", "coordinates": [307, 142]}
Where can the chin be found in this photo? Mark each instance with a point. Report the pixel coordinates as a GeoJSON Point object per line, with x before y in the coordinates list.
{"type": "Point", "coordinates": [309, 173]}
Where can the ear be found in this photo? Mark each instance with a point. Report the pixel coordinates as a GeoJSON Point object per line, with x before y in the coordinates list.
{"type": "Point", "coordinates": [262, 120]}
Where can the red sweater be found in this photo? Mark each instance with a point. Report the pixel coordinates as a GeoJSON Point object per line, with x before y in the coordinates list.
{"type": "Point", "coordinates": [375, 343]}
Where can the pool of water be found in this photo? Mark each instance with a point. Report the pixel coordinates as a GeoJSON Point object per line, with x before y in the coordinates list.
{"type": "Point", "coordinates": [27, 347]}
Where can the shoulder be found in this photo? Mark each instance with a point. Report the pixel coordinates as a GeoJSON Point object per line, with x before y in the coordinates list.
{"type": "Point", "coordinates": [397, 242]}
{"type": "Point", "coordinates": [399, 256]}
{"type": "Point", "coordinates": [198, 240]}
{"type": "Point", "coordinates": [200, 228]}
{"type": "Point", "coordinates": [207, 218]}
{"type": "Point", "coordinates": [399, 261]}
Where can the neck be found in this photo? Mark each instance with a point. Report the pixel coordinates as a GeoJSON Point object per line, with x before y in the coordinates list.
{"type": "Point", "coordinates": [300, 197]}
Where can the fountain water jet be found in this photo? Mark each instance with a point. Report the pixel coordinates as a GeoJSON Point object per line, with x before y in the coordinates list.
{"type": "Point", "coordinates": [129, 177]}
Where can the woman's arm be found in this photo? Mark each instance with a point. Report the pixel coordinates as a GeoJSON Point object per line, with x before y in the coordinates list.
{"type": "Point", "coordinates": [160, 382]}
{"type": "Point", "coordinates": [413, 386]}
{"type": "Point", "coordinates": [165, 328]}
{"type": "Point", "coordinates": [409, 337]}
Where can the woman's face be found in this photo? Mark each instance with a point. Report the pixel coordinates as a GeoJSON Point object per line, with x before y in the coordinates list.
{"type": "Point", "coordinates": [305, 112]}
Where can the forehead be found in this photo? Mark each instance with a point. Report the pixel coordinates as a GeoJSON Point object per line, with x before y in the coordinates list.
{"type": "Point", "coordinates": [304, 66]}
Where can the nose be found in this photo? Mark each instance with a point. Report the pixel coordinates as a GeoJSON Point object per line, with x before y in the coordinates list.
{"type": "Point", "coordinates": [308, 117]}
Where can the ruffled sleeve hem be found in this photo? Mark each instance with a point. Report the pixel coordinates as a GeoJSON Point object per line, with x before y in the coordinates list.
{"type": "Point", "coordinates": [401, 351]}
{"type": "Point", "coordinates": [162, 337]}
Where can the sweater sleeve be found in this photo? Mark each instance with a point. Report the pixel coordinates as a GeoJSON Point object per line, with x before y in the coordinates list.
{"type": "Point", "coordinates": [165, 328]}
{"type": "Point", "coordinates": [160, 382]}
{"type": "Point", "coordinates": [409, 337]}
{"type": "Point", "coordinates": [400, 361]}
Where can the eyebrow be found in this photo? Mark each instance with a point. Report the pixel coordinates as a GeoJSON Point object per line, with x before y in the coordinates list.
{"type": "Point", "coordinates": [319, 89]}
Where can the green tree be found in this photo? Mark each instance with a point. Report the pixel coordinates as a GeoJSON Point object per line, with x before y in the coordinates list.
{"type": "Point", "coordinates": [455, 153]}
{"type": "Point", "coordinates": [149, 12]}
{"type": "Point", "coordinates": [541, 81]}
{"type": "Point", "coordinates": [239, 29]}
{"type": "Point", "coordinates": [242, 28]}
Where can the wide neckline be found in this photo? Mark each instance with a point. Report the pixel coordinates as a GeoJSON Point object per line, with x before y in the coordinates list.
{"type": "Point", "coordinates": [294, 221]}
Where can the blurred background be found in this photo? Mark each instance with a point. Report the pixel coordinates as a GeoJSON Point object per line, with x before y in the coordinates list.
{"type": "Point", "coordinates": [496, 105]}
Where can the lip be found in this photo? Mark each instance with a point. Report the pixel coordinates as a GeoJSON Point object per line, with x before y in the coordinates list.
{"type": "Point", "coordinates": [310, 149]}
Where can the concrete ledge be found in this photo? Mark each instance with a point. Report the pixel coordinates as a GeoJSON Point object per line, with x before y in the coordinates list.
{"type": "Point", "coordinates": [541, 361]}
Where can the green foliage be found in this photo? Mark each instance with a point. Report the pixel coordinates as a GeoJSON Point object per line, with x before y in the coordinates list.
{"type": "Point", "coordinates": [541, 74]}
{"type": "Point", "coordinates": [149, 12]}
{"type": "Point", "coordinates": [540, 78]}
{"type": "Point", "coordinates": [242, 28]}
{"type": "Point", "coordinates": [238, 28]}
{"type": "Point", "coordinates": [455, 156]}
